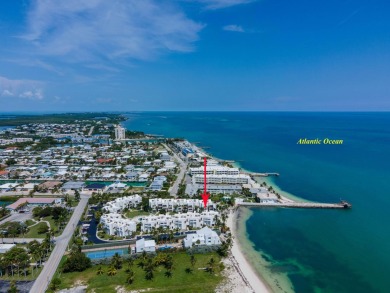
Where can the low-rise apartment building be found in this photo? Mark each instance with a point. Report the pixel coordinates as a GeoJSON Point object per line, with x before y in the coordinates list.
{"type": "Point", "coordinates": [121, 203]}
{"type": "Point", "coordinates": [222, 179]}
{"type": "Point", "coordinates": [115, 224]}
{"type": "Point", "coordinates": [179, 204]}
{"type": "Point", "coordinates": [179, 221]}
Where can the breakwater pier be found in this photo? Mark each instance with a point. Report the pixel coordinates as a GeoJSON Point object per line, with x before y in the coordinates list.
{"type": "Point", "coordinates": [262, 174]}
{"type": "Point", "coordinates": [304, 205]}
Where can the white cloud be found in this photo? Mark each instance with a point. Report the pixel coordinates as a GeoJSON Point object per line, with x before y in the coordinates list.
{"type": "Point", "coordinates": [35, 63]}
{"type": "Point", "coordinates": [116, 30]}
{"type": "Point", "coordinates": [233, 28]}
{"type": "Point", "coordinates": [32, 95]}
{"type": "Point", "coordinates": [7, 93]}
{"type": "Point", "coordinates": [217, 4]}
{"type": "Point", "coordinates": [28, 89]}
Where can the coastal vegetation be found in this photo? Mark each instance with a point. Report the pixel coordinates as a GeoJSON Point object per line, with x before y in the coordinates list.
{"type": "Point", "coordinates": [175, 272]}
{"type": "Point", "coordinates": [23, 262]}
{"type": "Point", "coordinates": [60, 118]}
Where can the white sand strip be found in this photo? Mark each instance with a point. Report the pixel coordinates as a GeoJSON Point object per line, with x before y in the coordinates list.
{"type": "Point", "coordinates": [242, 266]}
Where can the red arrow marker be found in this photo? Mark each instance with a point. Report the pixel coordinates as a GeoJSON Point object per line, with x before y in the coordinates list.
{"type": "Point", "coordinates": [205, 195]}
{"type": "Point", "coordinates": [205, 198]}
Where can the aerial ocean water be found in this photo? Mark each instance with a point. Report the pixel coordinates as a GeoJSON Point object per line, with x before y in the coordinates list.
{"type": "Point", "coordinates": [317, 250]}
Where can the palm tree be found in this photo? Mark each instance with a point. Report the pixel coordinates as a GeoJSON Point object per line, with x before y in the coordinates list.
{"type": "Point", "coordinates": [168, 274]}
{"type": "Point", "coordinates": [144, 255]}
{"type": "Point", "coordinates": [192, 260]}
{"type": "Point", "coordinates": [168, 263]}
{"type": "Point", "coordinates": [116, 261]}
{"type": "Point", "coordinates": [141, 264]}
{"type": "Point", "coordinates": [111, 271]}
{"type": "Point", "coordinates": [171, 236]}
{"type": "Point", "coordinates": [100, 271]}
{"type": "Point", "coordinates": [210, 265]}
{"type": "Point", "coordinates": [149, 269]}
{"type": "Point", "coordinates": [149, 275]}
{"type": "Point", "coordinates": [130, 262]}
{"type": "Point", "coordinates": [130, 277]}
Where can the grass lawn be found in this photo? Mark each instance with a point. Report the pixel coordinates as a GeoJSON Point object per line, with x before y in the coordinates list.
{"type": "Point", "coordinates": [53, 225]}
{"type": "Point", "coordinates": [197, 281]}
{"type": "Point", "coordinates": [30, 222]}
{"type": "Point", "coordinates": [51, 221]}
{"type": "Point", "coordinates": [33, 231]}
{"type": "Point", "coordinates": [136, 213]}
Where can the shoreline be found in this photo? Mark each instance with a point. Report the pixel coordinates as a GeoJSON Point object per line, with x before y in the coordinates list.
{"type": "Point", "coordinates": [241, 275]}
{"type": "Point", "coordinates": [253, 281]}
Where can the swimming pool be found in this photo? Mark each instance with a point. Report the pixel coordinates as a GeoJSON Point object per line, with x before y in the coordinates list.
{"type": "Point", "coordinates": [106, 253]}
{"type": "Point", "coordinates": [165, 247]}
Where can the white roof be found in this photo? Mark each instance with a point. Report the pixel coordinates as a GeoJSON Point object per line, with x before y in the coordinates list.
{"type": "Point", "coordinates": [6, 246]}
{"type": "Point", "coordinates": [29, 185]}
{"type": "Point", "coordinates": [9, 185]}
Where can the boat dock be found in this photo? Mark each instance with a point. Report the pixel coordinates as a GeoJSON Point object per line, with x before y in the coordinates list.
{"type": "Point", "coordinates": [303, 205]}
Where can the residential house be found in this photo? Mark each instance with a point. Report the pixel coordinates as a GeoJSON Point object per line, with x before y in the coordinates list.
{"type": "Point", "coordinates": [142, 245]}
{"type": "Point", "coordinates": [204, 236]}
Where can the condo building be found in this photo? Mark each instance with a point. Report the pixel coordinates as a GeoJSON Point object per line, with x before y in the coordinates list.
{"type": "Point", "coordinates": [120, 133]}
{"type": "Point", "coordinates": [215, 170]}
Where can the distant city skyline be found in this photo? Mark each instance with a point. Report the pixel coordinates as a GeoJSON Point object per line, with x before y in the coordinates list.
{"type": "Point", "coordinates": [194, 55]}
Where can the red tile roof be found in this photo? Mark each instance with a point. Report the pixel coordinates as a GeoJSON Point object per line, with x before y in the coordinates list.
{"type": "Point", "coordinates": [102, 160]}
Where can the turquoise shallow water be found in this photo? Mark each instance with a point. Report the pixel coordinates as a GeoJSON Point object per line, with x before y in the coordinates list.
{"type": "Point", "coordinates": [319, 250]}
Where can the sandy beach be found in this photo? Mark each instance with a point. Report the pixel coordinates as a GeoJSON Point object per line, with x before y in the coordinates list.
{"type": "Point", "coordinates": [242, 274]}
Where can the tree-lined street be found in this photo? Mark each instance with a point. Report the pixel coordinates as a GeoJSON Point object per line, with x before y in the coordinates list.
{"type": "Point", "coordinates": [50, 267]}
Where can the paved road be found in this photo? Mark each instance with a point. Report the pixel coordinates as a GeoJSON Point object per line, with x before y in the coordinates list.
{"type": "Point", "coordinates": [91, 130]}
{"type": "Point", "coordinates": [44, 278]}
{"type": "Point", "coordinates": [183, 168]}
{"type": "Point", "coordinates": [20, 240]}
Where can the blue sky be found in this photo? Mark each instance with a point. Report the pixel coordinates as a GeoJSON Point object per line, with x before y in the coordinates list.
{"type": "Point", "coordinates": [227, 55]}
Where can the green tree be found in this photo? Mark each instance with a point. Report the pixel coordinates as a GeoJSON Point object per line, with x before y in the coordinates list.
{"type": "Point", "coordinates": [168, 274]}
{"type": "Point", "coordinates": [130, 264]}
{"type": "Point", "coordinates": [130, 277]}
{"type": "Point", "coordinates": [149, 269]}
{"type": "Point", "coordinates": [13, 288]}
{"type": "Point", "coordinates": [76, 262]}
{"type": "Point", "coordinates": [55, 284]}
{"type": "Point", "coordinates": [192, 260]}
{"type": "Point", "coordinates": [210, 266]}
{"type": "Point", "coordinates": [111, 271]}
{"type": "Point", "coordinates": [116, 261]}
{"type": "Point", "coordinates": [77, 195]}
{"type": "Point", "coordinates": [43, 228]}
{"type": "Point", "coordinates": [10, 161]}
{"type": "Point", "coordinates": [100, 271]}
{"type": "Point", "coordinates": [14, 229]}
